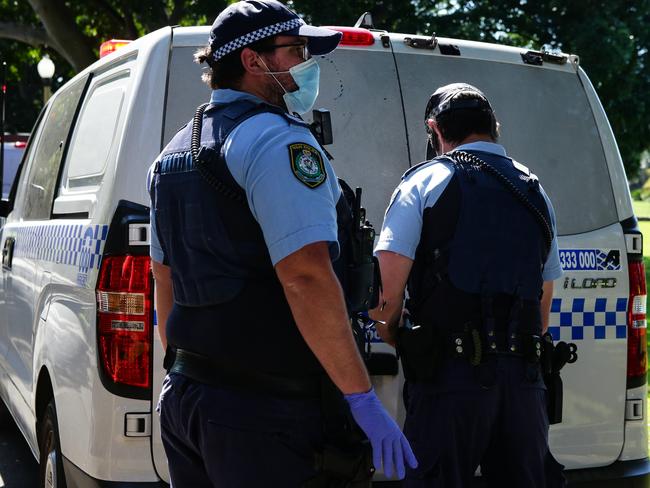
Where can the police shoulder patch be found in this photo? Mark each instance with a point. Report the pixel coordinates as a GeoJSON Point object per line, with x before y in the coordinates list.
{"type": "Point", "coordinates": [307, 164]}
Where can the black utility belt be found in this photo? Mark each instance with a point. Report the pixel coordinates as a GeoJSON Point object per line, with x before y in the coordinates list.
{"type": "Point", "coordinates": [476, 347]}
{"type": "Point", "coordinates": [423, 349]}
{"type": "Point", "coordinates": [225, 375]}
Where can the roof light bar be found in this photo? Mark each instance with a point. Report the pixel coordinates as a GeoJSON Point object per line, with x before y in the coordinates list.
{"type": "Point", "coordinates": [110, 46]}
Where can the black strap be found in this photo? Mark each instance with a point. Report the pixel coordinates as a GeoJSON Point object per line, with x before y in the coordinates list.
{"type": "Point", "coordinates": [213, 372]}
{"type": "Point", "coordinates": [462, 157]}
{"type": "Point", "coordinates": [203, 162]}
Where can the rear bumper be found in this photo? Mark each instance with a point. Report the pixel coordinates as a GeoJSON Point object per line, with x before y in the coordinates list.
{"type": "Point", "coordinates": [621, 474]}
{"type": "Point", "coordinates": [627, 474]}
{"type": "Point", "coordinates": [76, 478]}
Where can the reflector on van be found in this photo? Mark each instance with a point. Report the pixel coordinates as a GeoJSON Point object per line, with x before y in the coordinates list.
{"type": "Point", "coordinates": [354, 36]}
{"type": "Point", "coordinates": [108, 47]}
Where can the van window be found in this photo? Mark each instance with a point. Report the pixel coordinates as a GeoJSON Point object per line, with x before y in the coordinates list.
{"type": "Point", "coordinates": [95, 132]}
{"type": "Point", "coordinates": [45, 158]}
{"type": "Point", "coordinates": [546, 124]}
{"type": "Point", "coordinates": [185, 91]}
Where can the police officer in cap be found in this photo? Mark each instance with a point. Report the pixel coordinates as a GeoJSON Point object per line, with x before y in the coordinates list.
{"type": "Point", "coordinates": [471, 235]}
{"type": "Point", "coordinates": [245, 207]}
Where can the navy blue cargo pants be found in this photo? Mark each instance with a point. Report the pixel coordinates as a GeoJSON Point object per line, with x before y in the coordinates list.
{"type": "Point", "coordinates": [216, 437]}
{"type": "Point", "coordinates": [493, 415]}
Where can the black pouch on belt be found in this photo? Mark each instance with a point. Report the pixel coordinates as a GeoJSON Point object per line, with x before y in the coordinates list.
{"type": "Point", "coordinates": [341, 466]}
{"type": "Point", "coordinates": [421, 352]}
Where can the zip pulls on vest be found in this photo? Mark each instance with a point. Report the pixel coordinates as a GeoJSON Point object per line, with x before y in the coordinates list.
{"type": "Point", "coordinates": [307, 77]}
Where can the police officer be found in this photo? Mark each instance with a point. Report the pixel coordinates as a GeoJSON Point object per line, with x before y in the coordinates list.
{"type": "Point", "coordinates": [471, 234]}
{"type": "Point", "coordinates": [244, 214]}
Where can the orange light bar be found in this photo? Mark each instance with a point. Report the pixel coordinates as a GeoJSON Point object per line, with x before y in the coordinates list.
{"type": "Point", "coordinates": [354, 36]}
{"type": "Point", "coordinates": [108, 47]}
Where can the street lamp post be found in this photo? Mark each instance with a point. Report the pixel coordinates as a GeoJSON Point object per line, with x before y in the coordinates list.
{"type": "Point", "coordinates": [45, 69]}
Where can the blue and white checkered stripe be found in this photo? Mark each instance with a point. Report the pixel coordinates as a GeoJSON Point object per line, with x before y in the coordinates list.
{"type": "Point", "coordinates": [251, 37]}
{"type": "Point", "coordinates": [74, 245]}
{"type": "Point", "coordinates": [604, 263]}
{"type": "Point", "coordinates": [588, 318]}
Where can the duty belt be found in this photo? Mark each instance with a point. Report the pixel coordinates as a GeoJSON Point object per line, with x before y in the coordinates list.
{"type": "Point", "coordinates": [217, 373]}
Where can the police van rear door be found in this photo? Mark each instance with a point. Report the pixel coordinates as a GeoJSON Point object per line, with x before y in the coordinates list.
{"type": "Point", "coordinates": [548, 124]}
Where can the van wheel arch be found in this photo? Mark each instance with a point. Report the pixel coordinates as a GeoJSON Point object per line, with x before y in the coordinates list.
{"type": "Point", "coordinates": [44, 393]}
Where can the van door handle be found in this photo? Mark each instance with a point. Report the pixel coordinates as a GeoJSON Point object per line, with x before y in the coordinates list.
{"type": "Point", "coordinates": [8, 252]}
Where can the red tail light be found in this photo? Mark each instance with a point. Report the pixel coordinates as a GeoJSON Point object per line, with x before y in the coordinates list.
{"type": "Point", "coordinates": [124, 319]}
{"type": "Point", "coordinates": [354, 36]}
{"type": "Point", "coordinates": [637, 354]}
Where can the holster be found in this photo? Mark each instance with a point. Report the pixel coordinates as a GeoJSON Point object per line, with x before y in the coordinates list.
{"type": "Point", "coordinates": [343, 466]}
{"type": "Point", "coordinates": [420, 351]}
{"type": "Point", "coordinates": [554, 397]}
{"type": "Point", "coordinates": [553, 359]}
{"type": "Point", "coordinates": [345, 459]}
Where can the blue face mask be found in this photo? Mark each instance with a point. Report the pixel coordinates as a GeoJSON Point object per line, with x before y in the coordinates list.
{"type": "Point", "coordinates": [307, 77]}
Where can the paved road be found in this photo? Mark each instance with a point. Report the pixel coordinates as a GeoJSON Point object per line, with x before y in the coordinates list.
{"type": "Point", "coordinates": [18, 468]}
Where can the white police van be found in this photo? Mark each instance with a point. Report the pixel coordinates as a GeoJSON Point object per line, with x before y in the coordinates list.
{"type": "Point", "coordinates": [80, 358]}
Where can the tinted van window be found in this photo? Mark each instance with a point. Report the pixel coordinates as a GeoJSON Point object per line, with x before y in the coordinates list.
{"type": "Point", "coordinates": [95, 132]}
{"type": "Point", "coordinates": [45, 158]}
{"type": "Point", "coordinates": [546, 124]}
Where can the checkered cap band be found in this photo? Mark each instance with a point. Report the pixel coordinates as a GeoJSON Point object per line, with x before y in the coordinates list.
{"type": "Point", "coordinates": [251, 37]}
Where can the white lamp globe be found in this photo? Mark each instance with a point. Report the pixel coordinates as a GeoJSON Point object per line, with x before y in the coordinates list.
{"type": "Point", "coordinates": [45, 68]}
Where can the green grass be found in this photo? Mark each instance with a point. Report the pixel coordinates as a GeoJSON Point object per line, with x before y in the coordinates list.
{"type": "Point", "coordinates": [641, 208]}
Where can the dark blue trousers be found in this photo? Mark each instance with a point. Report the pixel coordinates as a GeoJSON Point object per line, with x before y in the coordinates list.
{"type": "Point", "coordinates": [493, 416]}
{"type": "Point", "coordinates": [216, 437]}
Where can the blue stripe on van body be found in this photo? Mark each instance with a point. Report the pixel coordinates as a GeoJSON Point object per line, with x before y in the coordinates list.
{"type": "Point", "coordinates": [70, 244]}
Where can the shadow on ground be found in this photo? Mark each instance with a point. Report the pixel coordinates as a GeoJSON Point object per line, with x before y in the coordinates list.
{"type": "Point", "coordinates": [18, 468]}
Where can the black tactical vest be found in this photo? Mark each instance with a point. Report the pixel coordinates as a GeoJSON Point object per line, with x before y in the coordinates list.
{"type": "Point", "coordinates": [482, 252]}
{"type": "Point", "coordinates": [228, 301]}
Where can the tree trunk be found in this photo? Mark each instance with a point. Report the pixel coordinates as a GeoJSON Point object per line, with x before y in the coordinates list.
{"type": "Point", "coordinates": [61, 27]}
{"type": "Point", "coordinates": [24, 33]}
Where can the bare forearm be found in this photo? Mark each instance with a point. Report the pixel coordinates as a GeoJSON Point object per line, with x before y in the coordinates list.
{"type": "Point", "coordinates": [164, 298]}
{"type": "Point", "coordinates": [316, 300]}
{"type": "Point", "coordinates": [387, 317]}
{"type": "Point", "coordinates": [395, 270]}
{"type": "Point", "coordinates": [323, 323]}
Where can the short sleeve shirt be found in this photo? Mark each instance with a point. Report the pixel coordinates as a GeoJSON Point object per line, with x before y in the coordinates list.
{"type": "Point", "coordinates": [421, 189]}
{"type": "Point", "coordinates": [290, 185]}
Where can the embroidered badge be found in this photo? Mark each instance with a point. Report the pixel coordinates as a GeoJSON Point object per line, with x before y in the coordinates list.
{"type": "Point", "coordinates": [307, 164]}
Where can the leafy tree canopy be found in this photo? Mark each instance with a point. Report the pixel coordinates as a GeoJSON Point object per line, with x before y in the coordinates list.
{"type": "Point", "coordinates": [610, 37]}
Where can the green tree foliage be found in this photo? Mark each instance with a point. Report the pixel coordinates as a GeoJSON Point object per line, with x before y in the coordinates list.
{"type": "Point", "coordinates": [610, 37]}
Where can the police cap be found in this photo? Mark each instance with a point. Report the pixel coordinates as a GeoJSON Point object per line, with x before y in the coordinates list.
{"type": "Point", "coordinates": [244, 23]}
{"type": "Point", "coordinates": [456, 96]}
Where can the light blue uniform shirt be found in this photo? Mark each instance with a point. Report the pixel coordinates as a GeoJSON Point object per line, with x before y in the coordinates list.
{"type": "Point", "coordinates": [290, 213]}
{"type": "Point", "coordinates": [421, 189]}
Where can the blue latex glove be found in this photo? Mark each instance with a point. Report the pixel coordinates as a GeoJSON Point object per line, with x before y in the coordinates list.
{"type": "Point", "coordinates": [385, 436]}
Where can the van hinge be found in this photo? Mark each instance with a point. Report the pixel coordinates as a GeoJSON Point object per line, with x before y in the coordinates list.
{"type": "Point", "coordinates": [537, 58]}
{"type": "Point", "coordinates": [139, 234]}
{"type": "Point", "coordinates": [634, 409]}
{"type": "Point", "coordinates": [137, 424]}
{"type": "Point", "coordinates": [634, 243]}
{"type": "Point", "coordinates": [422, 42]}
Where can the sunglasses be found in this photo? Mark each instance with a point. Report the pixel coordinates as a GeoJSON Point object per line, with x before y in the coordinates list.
{"type": "Point", "coordinates": [301, 49]}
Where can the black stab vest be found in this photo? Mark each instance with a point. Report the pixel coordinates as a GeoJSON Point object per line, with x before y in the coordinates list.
{"type": "Point", "coordinates": [228, 300]}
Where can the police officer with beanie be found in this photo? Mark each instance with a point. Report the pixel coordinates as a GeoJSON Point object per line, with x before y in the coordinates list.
{"type": "Point", "coordinates": [471, 235]}
{"type": "Point", "coordinates": [246, 218]}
